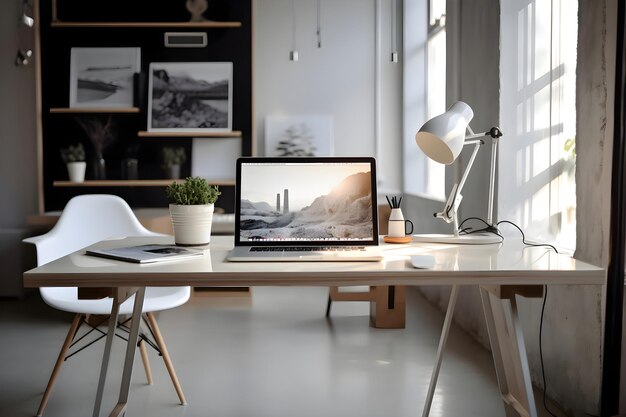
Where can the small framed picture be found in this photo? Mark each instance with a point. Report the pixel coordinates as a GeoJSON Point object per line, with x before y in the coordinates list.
{"type": "Point", "coordinates": [103, 77]}
{"type": "Point", "coordinates": [215, 158]}
{"type": "Point", "coordinates": [303, 135]}
{"type": "Point", "coordinates": [190, 97]}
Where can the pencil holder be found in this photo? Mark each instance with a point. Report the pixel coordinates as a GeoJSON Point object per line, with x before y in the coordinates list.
{"type": "Point", "coordinates": [397, 225]}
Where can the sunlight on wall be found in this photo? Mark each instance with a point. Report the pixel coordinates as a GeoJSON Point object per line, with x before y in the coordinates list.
{"type": "Point", "coordinates": [538, 116]}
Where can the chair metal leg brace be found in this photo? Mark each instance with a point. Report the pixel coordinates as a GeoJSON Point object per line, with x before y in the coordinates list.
{"type": "Point", "coordinates": [442, 345]}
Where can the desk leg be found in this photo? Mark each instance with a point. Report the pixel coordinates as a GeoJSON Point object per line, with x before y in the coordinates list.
{"type": "Point", "coordinates": [131, 347]}
{"type": "Point", "coordinates": [509, 355]}
{"type": "Point", "coordinates": [442, 345]}
{"type": "Point", "coordinates": [115, 308]}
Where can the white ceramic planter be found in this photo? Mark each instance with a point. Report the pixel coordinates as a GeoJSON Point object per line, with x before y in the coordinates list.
{"type": "Point", "coordinates": [192, 224]}
{"type": "Point", "coordinates": [76, 171]}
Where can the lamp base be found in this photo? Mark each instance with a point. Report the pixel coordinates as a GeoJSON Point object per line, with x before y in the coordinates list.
{"type": "Point", "coordinates": [471, 239]}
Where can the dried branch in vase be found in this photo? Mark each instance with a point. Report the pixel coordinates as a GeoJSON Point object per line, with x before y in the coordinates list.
{"type": "Point", "coordinates": [100, 133]}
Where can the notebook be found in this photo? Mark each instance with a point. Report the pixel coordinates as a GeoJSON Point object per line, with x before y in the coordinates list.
{"type": "Point", "coordinates": [306, 209]}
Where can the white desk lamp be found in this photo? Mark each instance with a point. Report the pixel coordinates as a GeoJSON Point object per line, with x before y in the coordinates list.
{"type": "Point", "coordinates": [442, 138]}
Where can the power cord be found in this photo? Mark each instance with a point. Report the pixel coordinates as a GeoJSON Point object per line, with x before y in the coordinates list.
{"type": "Point", "coordinates": [543, 371]}
{"type": "Point", "coordinates": [524, 237]}
{"type": "Point", "coordinates": [490, 229]}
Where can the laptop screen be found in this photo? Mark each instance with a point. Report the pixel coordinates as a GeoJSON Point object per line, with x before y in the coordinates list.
{"type": "Point", "coordinates": [308, 201]}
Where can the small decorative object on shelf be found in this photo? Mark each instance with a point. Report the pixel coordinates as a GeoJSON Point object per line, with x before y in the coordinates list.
{"type": "Point", "coordinates": [101, 134]}
{"type": "Point", "coordinates": [130, 169]}
{"type": "Point", "coordinates": [197, 8]}
{"type": "Point", "coordinates": [74, 157]}
{"type": "Point", "coordinates": [173, 158]}
{"type": "Point", "coordinates": [191, 209]}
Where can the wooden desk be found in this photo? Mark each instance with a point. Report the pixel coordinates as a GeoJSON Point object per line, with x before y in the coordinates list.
{"type": "Point", "coordinates": [501, 271]}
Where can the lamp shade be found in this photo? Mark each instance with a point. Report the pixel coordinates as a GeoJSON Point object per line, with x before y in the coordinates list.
{"type": "Point", "coordinates": [442, 137]}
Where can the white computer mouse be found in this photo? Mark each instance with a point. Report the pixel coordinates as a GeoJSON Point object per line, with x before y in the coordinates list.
{"type": "Point", "coordinates": [423, 261]}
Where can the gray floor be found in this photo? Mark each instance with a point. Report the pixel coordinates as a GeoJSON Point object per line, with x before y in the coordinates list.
{"type": "Point", "coordinates": [273, 354]}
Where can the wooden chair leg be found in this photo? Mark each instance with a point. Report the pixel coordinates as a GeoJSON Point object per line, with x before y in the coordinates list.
{"type": "Point", "coordinates": [166, 357]}
{"type": "Point", "coordinates": [57, 366]}
{"type": "Point", "coordinates": [144, 353]}
{"type": "Point", "coordinates": [144, 359]}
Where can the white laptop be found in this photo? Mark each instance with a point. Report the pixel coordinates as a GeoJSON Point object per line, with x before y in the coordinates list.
{"type": "Point", "coordinates": [306, 209]}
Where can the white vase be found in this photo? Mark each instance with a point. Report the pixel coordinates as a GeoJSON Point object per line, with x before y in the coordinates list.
{"type": "Point", "coordinates": [76, 171]}
{"type": "Point", "coordinates": [192, 224]}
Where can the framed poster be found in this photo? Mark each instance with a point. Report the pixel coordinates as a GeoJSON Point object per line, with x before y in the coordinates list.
{"type": "Point", "coordinates": [215, 158]}
{"type": "Point", "coordinates": [103, 77]}
{"type": "Point", "coordinates": [305, 135]}
{"type": "Point", "coordinates": [190, 97]}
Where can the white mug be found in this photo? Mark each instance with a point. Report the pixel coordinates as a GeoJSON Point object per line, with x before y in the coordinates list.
{"type": "Point", "coordinates": [397, 224]}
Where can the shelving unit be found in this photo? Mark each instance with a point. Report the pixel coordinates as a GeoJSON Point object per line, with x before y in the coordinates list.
{"type": "Point", "coordinates": [177, 25]}
{"type": "Point", "coordinates": [131, 183]}
{"type": "Point", "coordinates": [146, 134]}
{"type": "Point", "coordinates": [97, 110]}
{"type": "Point", "coordinates": [64, 24]}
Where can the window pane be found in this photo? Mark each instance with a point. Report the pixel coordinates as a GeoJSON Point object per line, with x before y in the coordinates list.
{"type": "Point", "coordinates": [436, 103]}
{"type": "Point", "coordinates": [538, 117]}
{"type": "Point", "coordinates": [436, 10]}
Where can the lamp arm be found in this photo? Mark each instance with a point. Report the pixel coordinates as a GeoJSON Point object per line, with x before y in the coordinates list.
{"type": "Point", "coordinates": [495, 134]}
{"type": "Point", "coordinates": [449, 212]}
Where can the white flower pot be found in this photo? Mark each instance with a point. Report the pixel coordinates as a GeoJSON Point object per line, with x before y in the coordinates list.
{"type": "Point", "coordinates": [192, 224]}
{"type": "Point", "coordinates": [76, 171]}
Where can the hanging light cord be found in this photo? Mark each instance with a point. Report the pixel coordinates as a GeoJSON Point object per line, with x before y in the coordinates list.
{"type": "Point", "coordinates": [319, 23]}
{"type": "Point", "coordinates": [394, 18]}
{"type": "Point", "coordinates": [293, 25]}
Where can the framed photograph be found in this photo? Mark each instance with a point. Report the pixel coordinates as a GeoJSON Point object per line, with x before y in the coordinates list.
{"type": "Point", "coordinates": [103, 77]}
{"type": "Point", "coordinates": [190, 97]}
{"type": "Point", "coordinates": [215, 158]}
{"type": "Point", "coordinates": [305, 135]}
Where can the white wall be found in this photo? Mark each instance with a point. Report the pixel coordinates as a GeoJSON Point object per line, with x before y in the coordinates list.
{"type": "Point", "coordinates": [18, 166]}
{"type": "Point", "coordinates": [337, 79]}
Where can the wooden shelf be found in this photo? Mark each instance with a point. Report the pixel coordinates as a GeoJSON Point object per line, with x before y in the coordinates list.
{"type": "Point", "coordinates": [74, 110]}
{"type": "Point", "coordinates": [182, 25]}
{"type": "Point", "coordinates": [131, 183]}
{"type": "Point", "coordinates": [232, 134]}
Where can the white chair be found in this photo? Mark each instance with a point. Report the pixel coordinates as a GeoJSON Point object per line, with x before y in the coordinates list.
{"type": "Point", "coordinates": [85, 220]}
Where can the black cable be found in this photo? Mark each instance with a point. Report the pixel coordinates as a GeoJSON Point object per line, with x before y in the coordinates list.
{"type": "Point", "coordinates": [524, 237]}
{"type": "Point", "coordinates": [543, 371]}
{"type": "Point", "coordinates": [473, 218]}
{"type": "Point", "coordinates": [470, 230]}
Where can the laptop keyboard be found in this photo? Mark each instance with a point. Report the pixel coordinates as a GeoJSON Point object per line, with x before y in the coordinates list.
{"type": "Point", "coordinates": [306, 248]}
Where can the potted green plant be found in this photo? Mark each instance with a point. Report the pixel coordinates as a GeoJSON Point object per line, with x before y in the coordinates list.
{"type": "Point", "coordinates": [173, 158]}
{"type": "Point", "coordinates": [191, 209]}
{"type": "Point", "coordinates": [74, 158]}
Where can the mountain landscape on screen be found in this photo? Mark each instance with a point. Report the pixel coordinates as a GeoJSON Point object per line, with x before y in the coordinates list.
{"type": "Point", "coordinates": [344, 213]}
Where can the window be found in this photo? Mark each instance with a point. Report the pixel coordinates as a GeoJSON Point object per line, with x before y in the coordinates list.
{"type": "Point", "coordinates": [424, 91]}
{"type": "Point", "coordinates": [537, 187]}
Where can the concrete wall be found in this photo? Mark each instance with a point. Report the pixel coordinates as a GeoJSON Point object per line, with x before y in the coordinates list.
{"type": "Point", "coordinates": [336, 79]}
{"type": "Point", "coordinates": [594, 125]}
{"type": "Point", "coordinates": [18, 166]}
